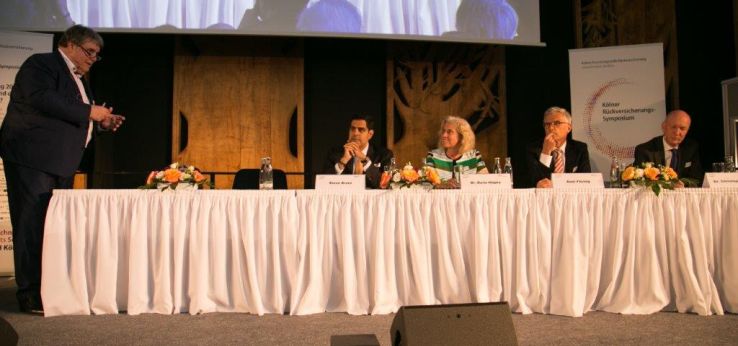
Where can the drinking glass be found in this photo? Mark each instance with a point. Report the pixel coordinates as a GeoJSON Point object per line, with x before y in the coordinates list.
{"type": "Point", "coordinates": [729, 165]}
{"type": "Point", "coordinates": [457, 174]}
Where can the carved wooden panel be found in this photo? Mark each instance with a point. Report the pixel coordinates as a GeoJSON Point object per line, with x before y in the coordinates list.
{"type": "Point", "coordinates": [602, 23]}
{"type": "Point", "coordinates": [427, 82]}
{"type": "Point", "coordinates": [235, 101]}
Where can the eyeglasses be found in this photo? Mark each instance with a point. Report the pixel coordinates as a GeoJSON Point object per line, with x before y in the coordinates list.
{"type": "Point", "coordinates": [90, 53]}
{"type": "Point", "coordinates": [553, 123]}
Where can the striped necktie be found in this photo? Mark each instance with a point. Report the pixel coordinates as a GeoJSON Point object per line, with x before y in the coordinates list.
{"type": "Point", "coordinates": [558, 161]}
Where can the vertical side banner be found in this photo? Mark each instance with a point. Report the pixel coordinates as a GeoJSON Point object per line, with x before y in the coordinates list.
{"type": "Point", "coordinates": [617, 100]}
{"type": "Point", "coordinates": [15, 48]}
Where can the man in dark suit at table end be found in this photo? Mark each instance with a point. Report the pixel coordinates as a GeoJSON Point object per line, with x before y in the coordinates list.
{"type": "Point", "coordinates": [555, 153]}
{"type": "Point", "coordinates": [673, 149]}
{"type": "Point", "coordinates": [358, 155]}
{"type": "Point", "coordinates": [50, 120]}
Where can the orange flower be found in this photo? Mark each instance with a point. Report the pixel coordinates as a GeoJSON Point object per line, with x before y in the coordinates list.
{"type": "Point", "coordinates": [409, 175]}
{"type": "Point", "coordinates": [151, 177]}
{"type": "Point", "coordinates": [198, 176]}
{"type": "Point", "coordinates": [432, 175]}
{"type": "Point", "coordinates": [652, 173]}
{"type": "Point", "coordinates": [628, 173]}
{"type": "Point", "coordinates": [670, 173]}
{"type": "Point", "coordinates": [171, 175]}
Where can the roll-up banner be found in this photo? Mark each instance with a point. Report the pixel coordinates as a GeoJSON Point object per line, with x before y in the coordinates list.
{"type": "Point", "coordinates": [617, 100]}
{"type": "Point", "coordinates": [15, 48]}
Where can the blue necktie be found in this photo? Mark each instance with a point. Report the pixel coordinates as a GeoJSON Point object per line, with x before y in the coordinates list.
{"type": "Point", "coordinates": [674, 163]}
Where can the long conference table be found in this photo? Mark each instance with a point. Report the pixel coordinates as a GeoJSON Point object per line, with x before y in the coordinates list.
{"type": "Point", "coordinates": [299, 252]}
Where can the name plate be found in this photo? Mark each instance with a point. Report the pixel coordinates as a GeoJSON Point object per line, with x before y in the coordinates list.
{"type": "Point", "coordinates": [485, 182]}
{"type": "Point", "coordinates": [577, 180]}
{"type": "Point", "coordinates": [720, 180]}
{"type": "Point", "coordinates": [343, 182]}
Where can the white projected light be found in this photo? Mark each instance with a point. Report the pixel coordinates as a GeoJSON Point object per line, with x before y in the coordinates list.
{"type": "Point", "coordinates": [486, 21]}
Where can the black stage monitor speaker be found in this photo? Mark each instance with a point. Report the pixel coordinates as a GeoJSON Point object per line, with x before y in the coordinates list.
{"type": "Point", "coordinates": [8, 335]}
{"type": "Point", "coordinates": [459, 324]}
{"type": "Point", "coordinates": [354, 340]}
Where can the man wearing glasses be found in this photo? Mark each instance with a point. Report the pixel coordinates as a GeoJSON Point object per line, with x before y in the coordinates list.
{"type": "Point", "coordinates": [50, 121]}
{"type": "Point", "coordinates": [555, 153]}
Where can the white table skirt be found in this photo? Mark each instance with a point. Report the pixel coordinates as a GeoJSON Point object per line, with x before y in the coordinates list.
{"type": "Point", "coordinates": [303, 252]}
{"type": "Point", "coordinates": [168, 252]}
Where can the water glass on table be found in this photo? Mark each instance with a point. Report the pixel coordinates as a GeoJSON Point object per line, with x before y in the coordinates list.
{"type": "Point", "coordinates": [729, 164]}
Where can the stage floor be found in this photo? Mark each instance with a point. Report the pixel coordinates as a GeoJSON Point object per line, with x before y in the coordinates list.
{"type": "Point", "coordinates": [229, 329]}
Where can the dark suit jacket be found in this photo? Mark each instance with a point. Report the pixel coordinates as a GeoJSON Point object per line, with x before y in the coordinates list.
{"type": "Point", "coordinates": [379, 156]}
{"type": "Point", "coordinates": [576, 160]}
{"type": "Point", "coordinates": [46, 124]}
{"type": "Point", "coordinates": [690, 165]}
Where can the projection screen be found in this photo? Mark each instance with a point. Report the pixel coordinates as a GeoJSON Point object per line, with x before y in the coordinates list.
{"type": "Point", "coordinates": [485, 21]}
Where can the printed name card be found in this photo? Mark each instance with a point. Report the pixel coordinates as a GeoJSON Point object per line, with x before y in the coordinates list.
{"type": "Point", "coordinates": [343, 182]}
{"type": "Point", "coordinates": [577, 180]}
{"type": "Point", "coordinates": [485, 182]}
{"type": "Point", "coordinates": [720, 180]}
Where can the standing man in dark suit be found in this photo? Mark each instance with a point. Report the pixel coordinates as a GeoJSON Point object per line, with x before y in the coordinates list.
{"type": "Point", "coordinates": [50, 121]}
{"type": "Point", "coordinates": [358, 155]}
{"type": "Point", "coordinates": [673, 149]}
{"type": "Point", "coordinates": [556, 154]}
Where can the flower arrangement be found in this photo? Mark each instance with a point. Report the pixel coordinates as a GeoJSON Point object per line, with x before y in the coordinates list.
{"type": "Point", "coordinates": [176, 175]}
{"type": "Point", "coordinates": [408, 177]}
{"type": "Point", "coordinates": [655, 177]}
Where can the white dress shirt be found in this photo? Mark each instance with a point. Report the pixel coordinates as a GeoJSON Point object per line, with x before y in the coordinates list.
{"type": "Point", "coordinates": [339, 168]}
{"type": "Point", "coordinates": [78, 79]}
{"type": "Point", "coordinates": [545, 159]}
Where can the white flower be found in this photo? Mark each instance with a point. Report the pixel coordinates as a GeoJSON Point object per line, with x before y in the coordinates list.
{"type": "Point", "coordinates": [160, 175]}
{"type": "Point", "coordinates": [396, 177]}
{"type": "Point", "coordinates": [638, 173]}
{"type": "Point", "coordinates": [648, 165]}
{"type": "Point", "coordinates": [185, 177]}
{"type": "Point", "coordinates": [174, 165]}
{"type": "Point", "coordinates": [408, 166]}
{"type": "Point", "coordinates": [191, 168]}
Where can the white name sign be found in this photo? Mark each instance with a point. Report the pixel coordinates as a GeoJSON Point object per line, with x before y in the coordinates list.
{"type": "Point", "coordinates": [720, 180]}
{"type": "Point", "coordinates": [485, 182]}
{"type": "Point", "coordinates": [577, 180]}
{"type": "Point", "coordinates": [343, 182]}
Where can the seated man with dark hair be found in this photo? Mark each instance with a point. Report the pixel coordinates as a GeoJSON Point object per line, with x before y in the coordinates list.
{"type": "Point", "coordinates": [673, 149]}
{"type": "Point", "coordinates": [358, 155]}
{"type": "Point", "coordinates": [554, 153]}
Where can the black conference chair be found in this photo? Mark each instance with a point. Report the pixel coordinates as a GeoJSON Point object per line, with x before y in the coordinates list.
{"type": "Point", "coordinates": [248, 179]}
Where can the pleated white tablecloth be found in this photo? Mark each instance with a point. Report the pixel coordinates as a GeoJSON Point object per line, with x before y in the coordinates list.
{"type": "Point", "coordinates": [304, 252]}
{"type": "Point", "coordinates": [168, 252]}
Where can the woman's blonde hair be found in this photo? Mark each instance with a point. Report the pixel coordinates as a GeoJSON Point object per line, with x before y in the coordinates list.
{"type": "Point", "coordinates": [462, 127]}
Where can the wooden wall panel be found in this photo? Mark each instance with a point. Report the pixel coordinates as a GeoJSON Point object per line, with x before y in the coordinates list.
{"type": "Point", "coordinates": [427, 82]}
{"type": "Point", "coordinates": [602, 23]}
{"type": "Point", "coordinates": [237, 97]}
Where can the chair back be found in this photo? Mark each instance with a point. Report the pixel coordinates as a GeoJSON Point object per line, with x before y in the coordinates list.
{"type": "Point", "coordinates": [248, 179]}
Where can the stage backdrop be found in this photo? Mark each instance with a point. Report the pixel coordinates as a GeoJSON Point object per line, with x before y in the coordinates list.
{"type": "Point", "coordinates": [15, 47]}
{"type": "Point", "coordinates": [617, 100]}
